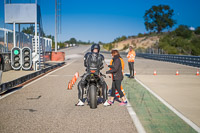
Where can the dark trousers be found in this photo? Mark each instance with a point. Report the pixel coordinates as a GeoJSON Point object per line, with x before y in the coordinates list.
{"type": "Point", "coordinates": [131, 68]}
{"type": "Point", "coordinates": [82, 84]}
{"type": "Point", "coordinates": [116, 84]}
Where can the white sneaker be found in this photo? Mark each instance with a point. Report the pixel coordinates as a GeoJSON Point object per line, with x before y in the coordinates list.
{"type": "Point", "coordinates": [80, 103]}
{"type": "Point", "coordinates": [106, 103]}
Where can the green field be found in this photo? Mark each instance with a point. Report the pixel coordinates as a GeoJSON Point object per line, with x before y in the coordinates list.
{"type": "Point", "coordinates": [154, 116]}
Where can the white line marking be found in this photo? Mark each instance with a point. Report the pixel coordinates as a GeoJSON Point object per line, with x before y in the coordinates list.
{"type": "Point", "coordinates": [135, 119]}
{"type": "Point", "coordinates": [1, 97]}
{"type": "Point", "coordinates": [86, 50]}
{"type": "Point", "coordinates": [189, 122]}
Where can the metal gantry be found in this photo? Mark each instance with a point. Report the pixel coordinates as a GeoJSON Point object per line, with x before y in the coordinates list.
{"type": "Point", "coordinates": [29, 13]}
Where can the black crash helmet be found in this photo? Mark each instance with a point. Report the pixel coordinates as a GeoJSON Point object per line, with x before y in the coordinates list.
{"type": "Point", "coordinates": [95, 46]}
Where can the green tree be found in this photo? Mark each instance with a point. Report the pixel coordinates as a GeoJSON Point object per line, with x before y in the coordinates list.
{"type": "Point", "coordinates": [158, 18]}
{"type": "Point", "coordinates": [29, 30]}
{"type": "Point", "coordinates": [72, 41]}
{"type": "Point", "coordinates": [50, 36]}
{"type": "Point", "coordinates": [140, 35]}
{"type": "Point", "coordinates": [119, 39]}
{"type": "Point", "coordinates": [100, 43]}
{"type": "Point", "coordinates": [197, 31]}
{"type": "Point", "coordinates": [183, 31]}
{"type": "Point", "coordinates": [181, 41]}
{"type": "Point", "coordinates": [196, 46]}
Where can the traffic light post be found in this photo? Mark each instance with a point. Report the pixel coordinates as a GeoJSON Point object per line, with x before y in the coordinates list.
{"type": "Point", "coordinates": [16, 58]}
{"type": "Point", "coordinates": [21, 58]}
{"type": "Point", "coordinates": [26, 58]}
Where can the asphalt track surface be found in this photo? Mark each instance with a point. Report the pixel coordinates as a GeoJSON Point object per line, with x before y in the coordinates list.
{"type": "Point", "coordinates": [46, 106]}
{"type": "Point", "coordinates": [180, 91]}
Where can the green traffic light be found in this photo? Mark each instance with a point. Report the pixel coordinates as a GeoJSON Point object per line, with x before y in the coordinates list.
{"type": "Point", "coordinates": [16, 52]}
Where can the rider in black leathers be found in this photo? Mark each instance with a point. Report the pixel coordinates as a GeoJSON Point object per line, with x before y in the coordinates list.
{"type": "Point", "coordinates": [92, 60]}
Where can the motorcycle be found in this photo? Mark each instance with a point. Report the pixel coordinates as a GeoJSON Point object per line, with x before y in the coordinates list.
{"type": "Point", "coordinates": [93, 90]}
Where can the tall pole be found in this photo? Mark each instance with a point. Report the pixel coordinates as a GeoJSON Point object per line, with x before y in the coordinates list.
{"type": "Point", "coordinates": [36, 51]}
{"type": "Point", "coordinates": [36, 29]}
{"type": "Point", "coordinates": [20, 46]}
{"type": "Point", "coordinates": [55, 25]}
{"type": "Point", "coordinates": [4, 26]}
{"type": "Point", "coordinates": [14, 37]}
{"type": "Point", "coordinates": [39, 44]}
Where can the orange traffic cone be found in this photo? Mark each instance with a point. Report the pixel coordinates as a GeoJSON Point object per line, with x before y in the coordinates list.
{"type": "Point", "coordinates": [154, 73]}
{"type": "Point", "coordinates": [197, 73]}
{"type": "Point", "coordinates": [69, 86]}
{"type": "Point", "coordinates": [75, 78]}
{"type": "Point", "coordinates": [177, 73]}
{"type": "Point", "coordinates": [76, 74]}
{"type": "Point", "coordinates": [134, 72]}
{"type": "Point", "coordinates": [73, 81]}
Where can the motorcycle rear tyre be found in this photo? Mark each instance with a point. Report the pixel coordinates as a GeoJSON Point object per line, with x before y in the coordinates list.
{"type": "Point", "coordinates": [93, 97]}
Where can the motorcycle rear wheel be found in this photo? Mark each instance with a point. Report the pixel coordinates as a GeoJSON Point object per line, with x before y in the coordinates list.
{"type": "Point", "coordinates": [93, 96]}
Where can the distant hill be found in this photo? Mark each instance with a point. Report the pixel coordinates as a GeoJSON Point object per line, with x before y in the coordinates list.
{"type": "Point", "coordinates": [136, 42]}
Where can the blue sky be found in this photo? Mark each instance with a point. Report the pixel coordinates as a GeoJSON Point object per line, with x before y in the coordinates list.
{"type": "Point", "coordinates": [104, 20]}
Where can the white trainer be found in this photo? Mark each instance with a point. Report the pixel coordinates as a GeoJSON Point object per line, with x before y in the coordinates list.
{"type": "Point", "coordinates": [106, 103]}
{"type": "Point", "coordinates": [80, 103]}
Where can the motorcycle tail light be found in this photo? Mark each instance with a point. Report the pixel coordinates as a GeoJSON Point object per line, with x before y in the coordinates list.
{"type": "Point", "coordinates": [92, 71]}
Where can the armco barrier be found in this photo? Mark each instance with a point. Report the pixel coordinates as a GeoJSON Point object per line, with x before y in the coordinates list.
{"type": "Point", "coordinates": [180, 59]}
{"type": "Point", "coordinates": [9, 85]}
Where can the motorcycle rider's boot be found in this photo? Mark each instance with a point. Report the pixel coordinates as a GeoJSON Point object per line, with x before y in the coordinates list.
{"type": "Point", "coordinates": [106, 103]}
{"type": "Point", "coordinates": [80, 103]}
